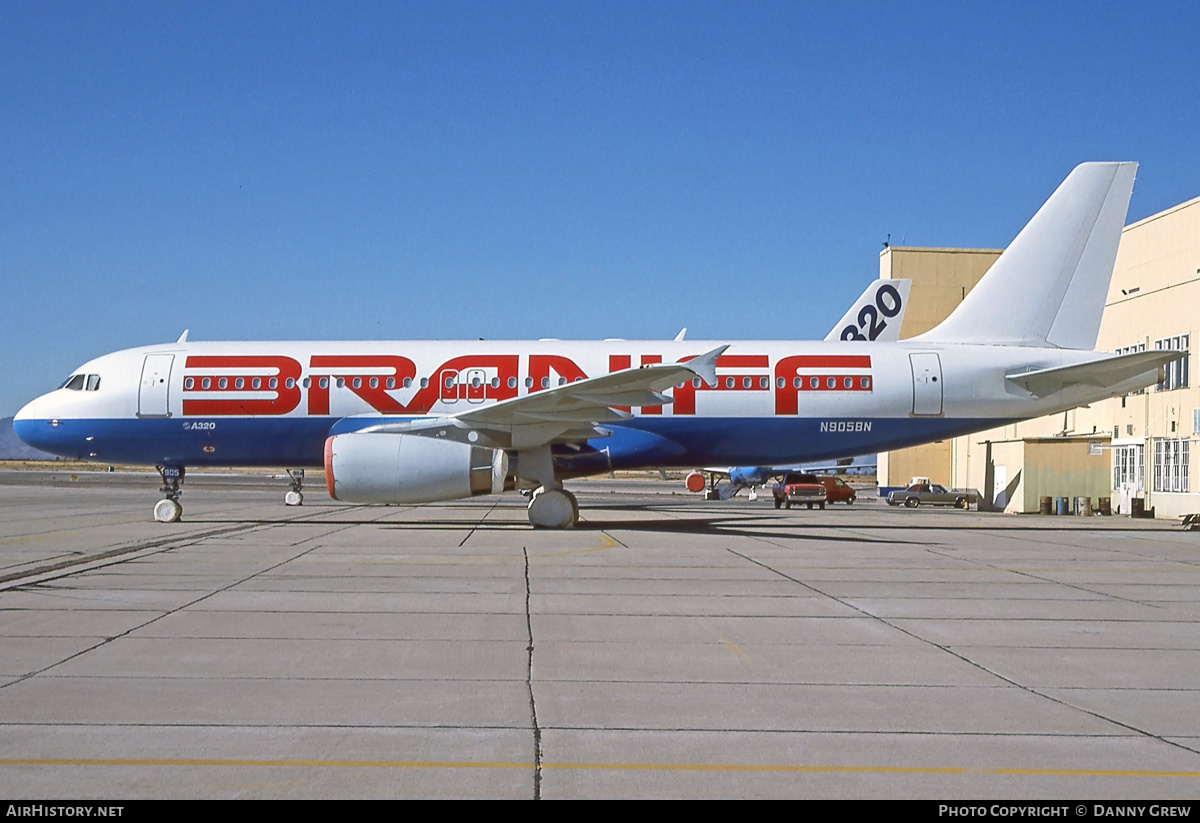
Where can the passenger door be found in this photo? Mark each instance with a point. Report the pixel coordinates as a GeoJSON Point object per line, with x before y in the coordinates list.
{"type": "Point", "coordinates": [927, 384]}
{"type": "Point", "coordinates": [153, 394]}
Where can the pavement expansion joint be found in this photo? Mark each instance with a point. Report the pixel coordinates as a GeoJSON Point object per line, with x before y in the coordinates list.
{"type": "Point", "coordinates": [537, 731]}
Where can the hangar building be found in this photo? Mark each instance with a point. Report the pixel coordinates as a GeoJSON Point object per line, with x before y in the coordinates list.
{"type": "Point", "coordinates": [1139, 446]}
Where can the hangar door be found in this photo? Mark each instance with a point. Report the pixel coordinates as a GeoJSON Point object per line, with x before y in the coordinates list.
{"type": "Point", "coordinates": [927, 383]}
{"type": "Point", "coordinates": [156, 380]}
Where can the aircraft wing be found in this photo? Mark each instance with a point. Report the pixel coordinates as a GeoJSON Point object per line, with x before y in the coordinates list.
{"type": "Point", "coordinates": [1113, 372]}
{"type": "Point", "coordinates": [562, 413]}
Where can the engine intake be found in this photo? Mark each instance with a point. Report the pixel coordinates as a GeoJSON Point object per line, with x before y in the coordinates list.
{"type": "Point", "coordinates": [377, 467]}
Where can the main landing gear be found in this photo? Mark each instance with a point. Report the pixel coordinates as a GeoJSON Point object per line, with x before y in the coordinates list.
{"type": "Point", "coordinates": [295, 497]}
{"type": "Point", "coordinates": [553, 509]}
{"type": "Point", "coordinates": [550, 506]}
{"type": "Point", "coordinates": [170, 509]}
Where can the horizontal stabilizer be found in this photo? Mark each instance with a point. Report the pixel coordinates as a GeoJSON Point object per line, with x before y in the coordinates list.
{"type": "Point", "coordinates": [1111, 373]}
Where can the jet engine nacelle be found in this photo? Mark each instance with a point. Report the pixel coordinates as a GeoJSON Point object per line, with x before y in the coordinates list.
{"type": "Point", "coordinates": [377, 467]}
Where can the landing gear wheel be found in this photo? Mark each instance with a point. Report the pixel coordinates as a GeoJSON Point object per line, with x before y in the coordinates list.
{"type": "Point", "coordinates": [295, 497]}
{"type": "Point", "coordinates": [912, 502]}
{"type": "Point", "coordinates": [553, 509]}
{"type": "Point", "coordinates": [168, 511]}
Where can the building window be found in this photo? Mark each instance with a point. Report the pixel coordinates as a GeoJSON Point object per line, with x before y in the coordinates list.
{"type": "Point", "coordinates": [1176, 374]}
{"type": "Point", "coordinates": [1129, 466]}
{"type": "Point", "coordinates": [1136, 347]}
{"type": "Point", "coordinates": [1171, 465]}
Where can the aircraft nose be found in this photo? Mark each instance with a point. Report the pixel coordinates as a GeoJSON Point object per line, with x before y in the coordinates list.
{"type": "Point", "coordinates": [27, 412]}
{"type": "Point", "coordinates": [35, 427]}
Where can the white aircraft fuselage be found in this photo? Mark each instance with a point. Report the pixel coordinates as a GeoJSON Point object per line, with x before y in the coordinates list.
{"type": "Point", "coordinates": [272, 404]}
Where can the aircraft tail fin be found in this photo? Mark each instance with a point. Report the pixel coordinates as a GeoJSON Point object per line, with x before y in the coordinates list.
{"type": "Point", "coordinates": [876, 315]}
{"type": "Point", "coordinates": [1049, 286]}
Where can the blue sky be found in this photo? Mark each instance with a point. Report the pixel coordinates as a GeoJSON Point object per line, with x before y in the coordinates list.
{"type": "Point", "coordinates": [560, 169]}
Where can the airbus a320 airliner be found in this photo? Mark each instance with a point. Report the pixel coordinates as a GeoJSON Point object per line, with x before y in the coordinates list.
{"type": "Point", "coordinates": [401, 422]}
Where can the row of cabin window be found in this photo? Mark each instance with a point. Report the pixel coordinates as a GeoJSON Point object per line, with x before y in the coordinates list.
{"type": "Point", "coordinates": [390, 383]}
{"type": "Point", "coordinates": [82, 382]}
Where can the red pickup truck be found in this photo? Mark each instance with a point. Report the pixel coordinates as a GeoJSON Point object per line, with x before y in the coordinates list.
{"type": "Point", "coordinates": [797, 488]}
{"type": "Point", "coordinates": [801, 488]}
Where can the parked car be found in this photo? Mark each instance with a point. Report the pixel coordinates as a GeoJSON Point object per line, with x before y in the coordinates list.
{"type": "Point", "coordinates": [795, 488]}
{"type": "Point", "coordinates": [931, 494]}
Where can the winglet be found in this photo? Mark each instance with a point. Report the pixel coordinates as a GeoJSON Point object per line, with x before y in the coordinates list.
{"type": "Point", "coordinates": [705, 365]}
{"type": "Point", "coordinates": [682, 333]}
{"type": "Point", "coordinates": [182, 337]}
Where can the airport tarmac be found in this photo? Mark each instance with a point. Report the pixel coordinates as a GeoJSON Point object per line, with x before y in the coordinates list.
{"type": "Point", "coordinates": [669, 647]}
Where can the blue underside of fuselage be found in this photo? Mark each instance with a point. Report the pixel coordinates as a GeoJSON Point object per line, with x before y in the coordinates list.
{"type": "Point", "coordinates": [640, 442]}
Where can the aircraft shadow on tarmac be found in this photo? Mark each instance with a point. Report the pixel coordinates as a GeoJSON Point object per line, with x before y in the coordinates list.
{"type": "Point", "coordinates": [730, 526]}
{"type": "Point", "coordinates": [767, 524]}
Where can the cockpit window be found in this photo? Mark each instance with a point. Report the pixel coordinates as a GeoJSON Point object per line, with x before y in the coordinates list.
{"type": "Point", "coordinates": [82, 382]}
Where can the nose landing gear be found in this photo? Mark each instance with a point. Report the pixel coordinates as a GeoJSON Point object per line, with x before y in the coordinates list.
{"type": "Point", "coordinates": [295, 497]}
{"type": "Point", "coordinates": [169, 510]}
